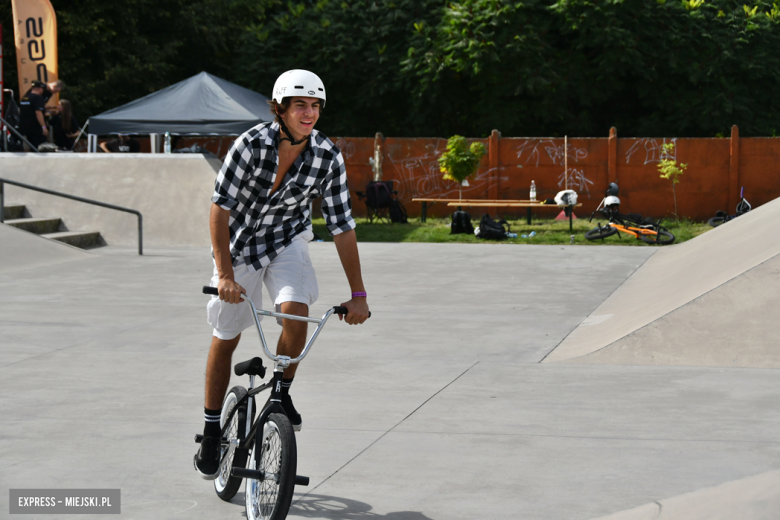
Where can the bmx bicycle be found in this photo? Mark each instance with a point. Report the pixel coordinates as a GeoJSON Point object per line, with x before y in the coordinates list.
{"type": "Point", "coordinates": [261, 450]}
{"type": "Point", "coordinates": [721, 217]}
{"type": "Point", "coordinates": [641, 228]}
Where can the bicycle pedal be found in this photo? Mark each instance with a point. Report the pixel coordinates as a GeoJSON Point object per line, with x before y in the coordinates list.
{"type": "Point", "coordinates": [199, 439]}
{"type": "Point", "coordinates": [255, 474]}
{"type": "Point", "coordinates": [300, 480]}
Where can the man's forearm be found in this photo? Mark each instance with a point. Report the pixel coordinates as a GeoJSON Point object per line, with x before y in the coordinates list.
{"type": "Point", "coordinates": [346, 245]}
{"type": "Point", "coordinates": [220, 240]}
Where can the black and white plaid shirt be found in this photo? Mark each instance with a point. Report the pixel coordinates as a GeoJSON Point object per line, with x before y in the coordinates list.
{"type": "Point", "coordinates": [262, 224]}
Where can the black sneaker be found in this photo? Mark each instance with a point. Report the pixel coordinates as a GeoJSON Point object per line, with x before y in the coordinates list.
{"type": "Point", "coordinates": [292, 414]}
{"type": "Point", "coordinates": [207, 459]}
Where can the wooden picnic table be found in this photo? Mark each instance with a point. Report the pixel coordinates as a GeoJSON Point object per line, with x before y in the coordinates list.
{"type": "Point", "coordinates": [430, 201]}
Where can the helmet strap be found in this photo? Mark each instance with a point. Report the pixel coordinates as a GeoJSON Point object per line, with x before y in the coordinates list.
{"type": "Point", "coordinates": [289, 135]}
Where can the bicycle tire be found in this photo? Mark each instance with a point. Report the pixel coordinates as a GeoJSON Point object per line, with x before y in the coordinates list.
{"type": "Point", "coordinates": [226, 485]}
{"type": "Point", "coordinates": [716, 221]}
{"type": "Point", "coordinates": [600, 232]}
{"type": "Point", "coordinates": [275, 453]}
{"type": "Point", "coordinates": [663, 238]}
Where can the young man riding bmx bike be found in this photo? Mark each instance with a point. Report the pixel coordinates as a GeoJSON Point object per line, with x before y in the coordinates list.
{"type": "Point", "coordinates": [260, 229]}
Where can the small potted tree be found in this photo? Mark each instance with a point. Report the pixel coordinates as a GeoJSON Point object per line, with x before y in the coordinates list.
{"type": "Point", "coordinates": [461, 161]}
{"type": "Point", "coordinates": [458, 163]}
{"type": "Point", "coordinates": [671, 170]}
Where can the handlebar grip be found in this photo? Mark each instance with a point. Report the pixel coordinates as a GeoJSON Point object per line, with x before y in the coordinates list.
{"type": "Point", "coordinates": [210, 290]}
{"type": "Point", "coordinates": [338, 309]}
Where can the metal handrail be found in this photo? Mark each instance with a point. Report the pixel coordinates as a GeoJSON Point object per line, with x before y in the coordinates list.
{"type": "Point", "coordinates": [72, 197]}
{"type": "Point", "coordinates": [10, 127]}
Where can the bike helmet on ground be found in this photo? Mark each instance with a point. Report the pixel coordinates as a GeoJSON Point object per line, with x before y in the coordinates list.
{"type": "Point", "coordinates": [299, 82]}
{"type": "Point", "coordinates": [612, 189]}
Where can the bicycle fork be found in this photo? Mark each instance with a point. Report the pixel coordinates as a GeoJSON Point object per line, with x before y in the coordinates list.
{"type": "Point", "coordinates": [254, 432]}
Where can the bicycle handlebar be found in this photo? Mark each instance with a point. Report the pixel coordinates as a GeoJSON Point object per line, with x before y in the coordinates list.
{"type": "Point", "coordinates": [338, 309]}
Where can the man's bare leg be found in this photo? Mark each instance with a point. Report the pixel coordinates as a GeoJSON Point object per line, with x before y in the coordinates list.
{"type": "Point", "coordinates": [217, 379]}
{"type": "Point", "coordinates": [293, 337]}
{"type": "Point", "coordinates": [291, 344]}
{"type": "Point", "coordinates": [218, 370]}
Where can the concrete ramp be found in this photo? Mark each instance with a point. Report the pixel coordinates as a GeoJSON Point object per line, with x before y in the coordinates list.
{"type": "Point", "coordinates": [752, 498]}
{"type": "Point", "coordinates": [21, 250]}
{"type": "Point", "coordinates": [711, 301]}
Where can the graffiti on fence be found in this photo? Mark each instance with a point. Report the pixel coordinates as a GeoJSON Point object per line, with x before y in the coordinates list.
{"type": "Point", "coordinates": [347, 148]}
{"type": "Point", "coordinates": [537, 149]}
{"type": "Point", "coordinates": [577, 181]}
{"type": "Point", "coordinates": [654, 151]}
{"type": "Point", "coordinates": [422, 177]}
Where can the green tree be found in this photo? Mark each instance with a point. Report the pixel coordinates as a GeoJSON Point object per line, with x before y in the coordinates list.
{"type": "Point", "coordinates": [111, 53]}
{"type": "Point", "coordinates": [356, 48]}
{"type": "Point", "coordinates": [580, 66]}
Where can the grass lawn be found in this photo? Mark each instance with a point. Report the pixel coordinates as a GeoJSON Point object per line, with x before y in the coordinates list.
{"type": "Point", "coordinates": [547, 232]}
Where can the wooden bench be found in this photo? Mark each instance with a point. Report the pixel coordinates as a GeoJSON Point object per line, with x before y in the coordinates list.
{"type": "Point", "coordinates": [483, 203]}
{"type": "Point", "coordinates": [426, 202]}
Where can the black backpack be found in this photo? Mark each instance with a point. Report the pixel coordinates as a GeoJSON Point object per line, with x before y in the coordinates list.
{"type": "Point", "coordinates": [398, 212]}
{"type": "Point", "coordinates": [461, 223]}
{"type": "Point", "coordinates": [492, 230]}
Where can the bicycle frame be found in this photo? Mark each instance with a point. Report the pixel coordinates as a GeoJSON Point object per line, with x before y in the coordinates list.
{"type": "Point", "coordinates": [275, 383]}
{"type": "Point", "coordinates": [625, 223]}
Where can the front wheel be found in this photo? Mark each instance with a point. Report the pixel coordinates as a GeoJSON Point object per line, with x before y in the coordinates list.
{"type": "Point", "coordinates": [233, 431]}
{"type": "Point", "coordinates": [663, 238]}
{"type": "Point", "coordinates": [275, 454]}
{"type": "Point", "coordinates": [600, 232]}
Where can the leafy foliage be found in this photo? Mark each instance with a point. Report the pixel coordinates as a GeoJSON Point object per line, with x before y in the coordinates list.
{"type": "Point", "coordinates": [580, 66]}
{"type": "Point", "coordinates": [671, 170]}
{"type": "Point", "coordinates": [433, 67]}
{"type": "Point", "coordinates": [111, 53]}
{"type": "Point", "coordinates": [460, 161]}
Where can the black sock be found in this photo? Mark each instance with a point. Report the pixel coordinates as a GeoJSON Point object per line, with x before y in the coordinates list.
{"type": "Point", "coordinates": [212, 427]}
{"type": "Point", "coordinates": [286, 383]}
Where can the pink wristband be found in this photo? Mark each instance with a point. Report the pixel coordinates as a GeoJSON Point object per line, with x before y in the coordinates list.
{"type": "Point", "coordinates": [359, 295]}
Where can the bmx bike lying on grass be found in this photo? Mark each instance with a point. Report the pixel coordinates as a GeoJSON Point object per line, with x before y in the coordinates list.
{"type": "Point", "coordinates": [642, 228]}
{"type": "Point", "coordinates": [268, 441]}
{"type": "Point", "coordinates": [721, 217]}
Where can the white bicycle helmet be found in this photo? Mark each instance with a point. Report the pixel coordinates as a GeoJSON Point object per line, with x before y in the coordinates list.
{"type": "Point", "coordinates": [566, 198]}
{"type": "Point", "coordinates": [611, 200]}
{"type": "Point", "coordinates": [299, 82]}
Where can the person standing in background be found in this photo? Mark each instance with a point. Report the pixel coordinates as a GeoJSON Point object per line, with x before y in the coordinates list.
{"type": "Point", "coordinates": [31, 115]}
{"type": "Point", "coordinates": [64, 126]}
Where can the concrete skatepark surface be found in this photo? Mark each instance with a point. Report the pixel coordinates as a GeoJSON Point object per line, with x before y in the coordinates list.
{"type": "Point", "coordinates": [438, 408]}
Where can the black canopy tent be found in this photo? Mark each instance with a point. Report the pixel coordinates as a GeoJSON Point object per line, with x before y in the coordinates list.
{"type": "Point", "coordinates": [201, 105]}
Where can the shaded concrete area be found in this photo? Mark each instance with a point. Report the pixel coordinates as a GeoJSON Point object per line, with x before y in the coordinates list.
{"type": "Point", "coordinates": [437, 408]}
{"type": "Point", "coordinates": [694, 273]}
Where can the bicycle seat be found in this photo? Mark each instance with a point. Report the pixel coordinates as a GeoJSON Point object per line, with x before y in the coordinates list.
{"type": "Point", "coordinates": [252, 367]}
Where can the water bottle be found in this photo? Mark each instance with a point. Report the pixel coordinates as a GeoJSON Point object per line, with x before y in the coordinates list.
{"type": "Point", "coordinates": [533, 191]}
{"type": "Point", "coordinates": [511, 235]}
{"type": "Point", "coordinates": [167, 142]}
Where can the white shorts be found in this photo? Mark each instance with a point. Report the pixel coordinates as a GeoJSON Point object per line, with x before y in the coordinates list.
{"type": "Point", "coordinates": [289, 278]}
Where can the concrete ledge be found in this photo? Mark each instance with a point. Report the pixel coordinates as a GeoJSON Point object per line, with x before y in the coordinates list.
{"type": "Point", "coordinates": [172, 191]}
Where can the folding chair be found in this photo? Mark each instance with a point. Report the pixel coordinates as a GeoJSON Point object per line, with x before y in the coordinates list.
{"type": "Point", "coordinates": [378, 197]}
